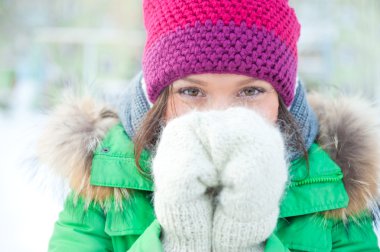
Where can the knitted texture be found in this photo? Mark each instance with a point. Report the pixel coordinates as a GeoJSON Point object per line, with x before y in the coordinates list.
{"type": "Point", "coordinates": [253, 38]}
{"type": "Point", "coordinates": [306, 119]}
{"type": "Point", "coordinates": [133, 106]}
{"type": "Point", "coordinates": [235, 150]}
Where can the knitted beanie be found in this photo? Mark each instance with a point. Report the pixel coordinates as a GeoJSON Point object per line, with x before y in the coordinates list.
{"type": "Point", "coordinates": [256, 38]}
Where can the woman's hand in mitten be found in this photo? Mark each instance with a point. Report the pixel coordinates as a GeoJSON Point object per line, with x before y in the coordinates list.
{"type": "Point", "coordinates": [183, 172]}
{"type": "Point", "coordinates": [249, 154]}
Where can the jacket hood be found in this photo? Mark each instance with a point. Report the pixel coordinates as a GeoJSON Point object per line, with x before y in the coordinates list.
{"type": "Point", "coordinates": [349, 132]}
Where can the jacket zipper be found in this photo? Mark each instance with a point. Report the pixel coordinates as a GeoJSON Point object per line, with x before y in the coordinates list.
{"type": "Point", "coordinates": [316, 180]}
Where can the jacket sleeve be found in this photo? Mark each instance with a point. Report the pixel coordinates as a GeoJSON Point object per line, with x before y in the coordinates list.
{"type": "Point", "coordinates": [356, 235]}
{"type": "Point", "coordinates": [78, 229]}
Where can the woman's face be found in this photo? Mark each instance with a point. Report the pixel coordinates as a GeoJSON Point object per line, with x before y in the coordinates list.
{"type": "Point", "coordinates": [220, 91]}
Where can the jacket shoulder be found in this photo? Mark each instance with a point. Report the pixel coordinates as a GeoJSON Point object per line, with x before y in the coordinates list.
{"type": "Point", "coordinates": [313, 188]}
{"type": "Point", "coordinates": [114, 163]}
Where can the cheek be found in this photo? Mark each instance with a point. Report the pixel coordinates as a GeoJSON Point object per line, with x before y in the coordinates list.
{"type": "Point", "coordinates": [176, 107]}
{"type": "Point", "coordinates": [268, 108]}
{"type": "Point", "coordinates": [273, 112]}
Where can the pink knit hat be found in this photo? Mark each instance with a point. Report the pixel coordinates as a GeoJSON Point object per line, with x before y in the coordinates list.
{"type": "Point", "coordinates": [256, 38]}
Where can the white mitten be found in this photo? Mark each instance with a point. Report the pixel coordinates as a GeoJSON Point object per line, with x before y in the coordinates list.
{"type": "Point", "coordinates": [183, 172]}
{"type": "Point", "coordinates": [249, 154]}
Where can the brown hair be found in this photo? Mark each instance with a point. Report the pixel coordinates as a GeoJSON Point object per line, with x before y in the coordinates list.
{"type": "Point", "coordinates": [291, 131]}
{"type": "Point", "coordinates": [149, 132]}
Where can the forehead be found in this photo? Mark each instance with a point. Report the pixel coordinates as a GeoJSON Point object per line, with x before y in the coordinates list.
{"type": "Point", "coordinates": [220, 81]}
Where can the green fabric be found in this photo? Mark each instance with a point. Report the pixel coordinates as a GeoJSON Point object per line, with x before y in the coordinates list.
{"type": "Point", "coordinates": [354, 236]}
{"type": "Point", "coordinates": [319, 188]}
{"type": "Point", "coordinates": [275, 244]}
{"type": "Point", "coordinates": [314, 233]}
{"type": "Point", "coordinates": [150, 240]}
{"type": "Point", "coordinates": [135, 229]}
{"type": "Point", "coordinates": [93, 230]}
{"type": "Point", "coordinates": [77, 230]}
{"type": "Point", "coordinates": [116, 153]}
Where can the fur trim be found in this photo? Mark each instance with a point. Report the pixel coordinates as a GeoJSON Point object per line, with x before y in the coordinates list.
{"type": "Point", "coordinates": [350, 133]}
{"type": "Point", "coordinates": [73, 131]}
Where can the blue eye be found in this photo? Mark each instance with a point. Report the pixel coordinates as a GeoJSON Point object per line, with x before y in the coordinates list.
{"type": "Point", "coordinates": [190, 91]}
{"type": "Point", "coordinates": [251, 91]}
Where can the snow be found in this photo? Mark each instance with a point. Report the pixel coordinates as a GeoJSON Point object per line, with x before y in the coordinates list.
{"type": "Point", "coordinates": [27, 212]}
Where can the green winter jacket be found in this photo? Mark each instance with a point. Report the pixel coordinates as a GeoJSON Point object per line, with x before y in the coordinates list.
{"type": "Point", "coordinates": [129, 224]}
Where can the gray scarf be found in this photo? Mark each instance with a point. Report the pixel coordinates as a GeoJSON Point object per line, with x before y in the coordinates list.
{"type": "Point", "coordinates": [133, 106]}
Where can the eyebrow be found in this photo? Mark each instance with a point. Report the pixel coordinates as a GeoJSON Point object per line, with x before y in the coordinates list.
{"type": "Point", "coordinates": [204, 83]}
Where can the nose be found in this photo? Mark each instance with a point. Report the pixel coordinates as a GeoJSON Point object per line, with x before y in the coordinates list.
{"type": "Point", "coordinates": [220, 103]}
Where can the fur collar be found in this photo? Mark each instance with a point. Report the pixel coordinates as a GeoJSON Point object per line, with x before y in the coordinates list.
{"type": "Point", "coordinates": [66, 145]}
{"type": "Point", "coordinates": [349, 132]}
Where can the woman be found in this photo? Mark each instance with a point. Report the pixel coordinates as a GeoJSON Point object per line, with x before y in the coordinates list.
{"type": "Point", "coordinates": [215, 147]}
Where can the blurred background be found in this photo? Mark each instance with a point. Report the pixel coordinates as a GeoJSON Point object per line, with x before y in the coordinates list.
{"type": "Point", "coordinates": [46, 46]}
